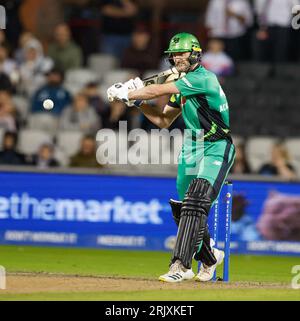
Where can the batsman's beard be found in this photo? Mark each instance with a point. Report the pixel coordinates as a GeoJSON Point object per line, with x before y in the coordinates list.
{"type": "Point", "coordinates": [183, 65]}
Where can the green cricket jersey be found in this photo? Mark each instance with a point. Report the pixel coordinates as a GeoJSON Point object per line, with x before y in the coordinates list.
{"type": "Point", "coordinates": [203, 103]}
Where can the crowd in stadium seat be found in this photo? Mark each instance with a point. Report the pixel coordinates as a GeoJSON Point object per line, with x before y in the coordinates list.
{"type": "Point", "coordinates": [259, 87]}
{"type": "Point", "coordinates": [216, 60]}
{"type": "Point", "coordinates": [278, 164]}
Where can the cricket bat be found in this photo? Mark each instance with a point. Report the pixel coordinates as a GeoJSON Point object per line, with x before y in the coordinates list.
{"type": "Point", "coordinates": [163, 77]}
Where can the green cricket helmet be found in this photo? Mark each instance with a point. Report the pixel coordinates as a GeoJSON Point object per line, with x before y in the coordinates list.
{"type": "Point", "coordinates": [185, 42]}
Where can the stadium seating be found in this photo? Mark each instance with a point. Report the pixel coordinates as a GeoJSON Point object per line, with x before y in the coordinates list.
{"type": "Point", "coordinates": [287, 71]}
{"type": "Point", "coordinates": [43, 121]}
{"type": "Point", "coordinates": [30, 140]}
{"type": "Point", "coordinates": [118, 75]}
{"type": "Point", "coordinates": [293, 146]}
{"type": "Point", "coordinates": [61, 157]}
{"type": "Point", "coordinates": [22, 106]}
{"type": "Point", "coordinates": [263, 100]}
{"type": "Point", "coordinates": [258, 150]}
{"type": "Point", "coordinates": [69, 142]}
{"type": "Point", "coordinates": [102, 63]}
{"type": "Point", "coordinates": [237, 140]}
{"type": "Point", "coordinates": [277, 85]}
{"type": "Point", "coordinates": [254, 70]}
{"type": "Point", "coordinates": [240, 85]}
{"type": "Point", "coordinates": [77, 79]}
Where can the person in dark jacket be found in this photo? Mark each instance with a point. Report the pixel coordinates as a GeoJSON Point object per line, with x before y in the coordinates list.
{"type": "Point", "coordinates": [118, 19]}
{"type": "Point", "coordinates": [8, 154]}
{"type": "Point", "coordinates": [139, 56]}
{"type": "Point", "coordinates": [53, 90]}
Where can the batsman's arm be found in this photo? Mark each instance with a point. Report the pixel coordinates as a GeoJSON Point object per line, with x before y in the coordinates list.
{"type": "Point", "coordinates": [153, 91]}
{"type": "Point", "coordinates": [161, 117]}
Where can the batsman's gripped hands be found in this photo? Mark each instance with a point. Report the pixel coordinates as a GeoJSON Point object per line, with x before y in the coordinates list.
{"type": "Point", "coordinates": [120, 91]}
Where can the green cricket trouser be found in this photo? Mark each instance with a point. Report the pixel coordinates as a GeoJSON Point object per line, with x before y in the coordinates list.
{"type": "Point", "coordinates": [210, 160]}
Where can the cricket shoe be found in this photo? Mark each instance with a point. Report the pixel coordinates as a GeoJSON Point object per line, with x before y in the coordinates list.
{"type": "Point", "coordinates": [177, 273]}
{"type": "Point", "coordinates": [206, 273]}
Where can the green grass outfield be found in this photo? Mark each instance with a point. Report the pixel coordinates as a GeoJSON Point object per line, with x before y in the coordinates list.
{"type": "Point", "coordinates": [137, 264]}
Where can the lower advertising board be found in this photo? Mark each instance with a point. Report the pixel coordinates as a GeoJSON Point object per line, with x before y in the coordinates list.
{"type": "Point", "coordinates": [126, 212]}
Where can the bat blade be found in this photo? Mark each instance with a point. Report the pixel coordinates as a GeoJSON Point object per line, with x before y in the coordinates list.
{"type": "Point", "coordinates": [161, 77]}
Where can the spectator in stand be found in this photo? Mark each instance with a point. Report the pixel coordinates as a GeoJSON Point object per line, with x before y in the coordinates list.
{"type": "Point", "coordinates": [280, 163]}
{"type": "Point", "coordinates": [230, 20]}
{"type": "Point", "coordinates": [95, 100]}
{"type": "Point", "coordinates": [13, 24]}
{"type": "Point", "coordinates": [65, 53]}
{"type": "Point", "coordinates": [272, 39]}
{"type": "Point", "coordinates": [118, 18]}
{"type": "Point", "coordinates": [8, 66]}
{"type": "Point", "coordinates": [8, 154]}
{"type": "Point", "coordinates": [5, 83]}
{"type": "Point", "coordinates": [44, 158]}
{"type": "Point", "coordinates": [3, 41]}
{"type": "Point", "coordinates": [7, 112]}
{"type": "Point", "coordinates": [118, 112]}
{"type": "Point", "coordinates": [53, 90]}
{"type": "Point", "coordinates": [240, 165]}
{"type": "Point", "coordinates": [25, 37]}
{"type": "Point", "coordinates": [41, 16]}
{"type": "Point", "coordinates": [86, 157]}
{"type": "Point", "coordinates": [139, 55]}
{"type": "Point", "coordinates": [80, 116]}
{"type": "Point", "coordinates": [216, 60]}
{"type": "Point", "coordinates": [34, 67]}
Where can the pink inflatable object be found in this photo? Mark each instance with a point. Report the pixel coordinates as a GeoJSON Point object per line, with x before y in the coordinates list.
{"type": "Point", "coordinates": [280, 218]}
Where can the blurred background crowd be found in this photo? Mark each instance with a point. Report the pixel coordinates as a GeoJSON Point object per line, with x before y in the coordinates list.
{"type": "Point", "coordinates": [71, 51]}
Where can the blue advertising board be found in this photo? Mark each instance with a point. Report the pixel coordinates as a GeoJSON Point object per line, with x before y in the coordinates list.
{"type": "Point", "coordinates": [108, 211]}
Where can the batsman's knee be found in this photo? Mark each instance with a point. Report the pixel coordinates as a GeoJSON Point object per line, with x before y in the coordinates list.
{"type": "Point", "coordinates": [199, 196]}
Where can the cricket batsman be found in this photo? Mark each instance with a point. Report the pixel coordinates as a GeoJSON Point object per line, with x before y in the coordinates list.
{"type": "Point", "coordinates": [200, 99]}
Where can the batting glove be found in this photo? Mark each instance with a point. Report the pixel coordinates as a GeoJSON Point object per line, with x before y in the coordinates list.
{"type": "Point", "coordinates": [118, 92]}
{"type": "Point", "coordinates": [134, 84]}
{"type": "Point", "coordinates": [111, 93]}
